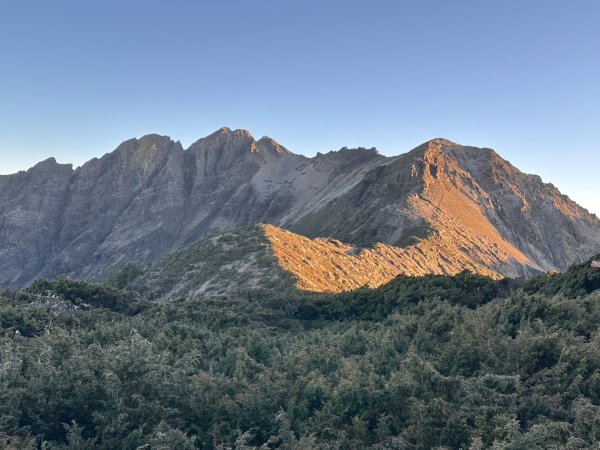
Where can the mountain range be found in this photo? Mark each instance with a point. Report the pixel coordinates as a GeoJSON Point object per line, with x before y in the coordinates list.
{"type": "Point", "coordinates": [334, 222]}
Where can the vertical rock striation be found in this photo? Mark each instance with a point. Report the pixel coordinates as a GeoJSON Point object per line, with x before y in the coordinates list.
{"type": "Point", "coordinates": [441, 202]}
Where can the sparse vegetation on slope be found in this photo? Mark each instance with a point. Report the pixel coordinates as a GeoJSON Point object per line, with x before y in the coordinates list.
{"type": "Point", "coordinates": [328, 265]}
{"type": "Point", "coordinates": [219, 265]}
{"type": "Point", "coordinates": [267, 256]}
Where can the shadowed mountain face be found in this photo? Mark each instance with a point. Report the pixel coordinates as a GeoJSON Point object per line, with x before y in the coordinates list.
{"type": "Point", "coordinates": [441, 207]}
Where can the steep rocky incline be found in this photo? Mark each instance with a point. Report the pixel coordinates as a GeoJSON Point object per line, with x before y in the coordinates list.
{"type": "Point", "coordinates": [465, 200]}
{"type": "Point", "coordinates": [440, 207]}
{"type": "Point", "coordinates": [31, 209]}
{"type": "Point", "coordinates": [268, 257]}
{"type": "Point", "coordinates": [328, 265]}
{"type": "Point", "coordinates": [150, 196]}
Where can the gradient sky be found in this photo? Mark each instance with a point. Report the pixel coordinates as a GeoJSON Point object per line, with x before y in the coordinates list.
{"type": "Point", "coordinates": [522, 77]}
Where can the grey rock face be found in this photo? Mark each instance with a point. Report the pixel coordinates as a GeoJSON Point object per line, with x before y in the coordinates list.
{"type": "Point", "coordinates": [440, 181]}
{"type": "Point", "coordinates": [150, 196]}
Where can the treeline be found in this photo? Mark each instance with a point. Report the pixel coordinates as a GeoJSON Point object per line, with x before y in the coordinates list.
{"type": "Point", "coordinates": [436, 362]}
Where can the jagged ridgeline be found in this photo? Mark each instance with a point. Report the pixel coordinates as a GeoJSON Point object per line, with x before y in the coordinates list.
{"type": "Point", "coordinates": [420, 362]}
{"type": "Point", "coordinates": [440, 208]}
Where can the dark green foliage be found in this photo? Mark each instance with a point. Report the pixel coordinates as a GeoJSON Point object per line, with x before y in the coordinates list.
{"type": "Point", "coordinates": [581, 279]}
{"type": "Point", "coordinates": [433, 362]}
{"type": "Point", "coordinates": [126, 276]}
{"type": "Point", "coordinates": [86, 295]}
{"type": "Point", "coordinates": [465, 289]}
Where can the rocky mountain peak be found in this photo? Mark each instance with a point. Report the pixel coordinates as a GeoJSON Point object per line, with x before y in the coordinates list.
{"type": "Point", "coordinates": [224, 140]}
{"type": "Point", "coordinates": [440, 205]}
{"type": "Point", "coordinates": [147, 144]}
{"type": "Point", "coordinates": [50, 161]}
{"type": "Point", "coordinates": [441, 142]}
{"type": "Point", "coordinates": [50, 165]}
{"type": "Point", "coordinates": [272, 146]}
{"type": "Point", "coordinates": [228, 133]}
{"type": "Point", "coordinates": [350, 156]}
{"type": "Point", "coordinates": [222, 130]}
{"type": "Point", "coordinates": [449, 148]}
{"type": "Point", "coordinates": [432, 146]}
{"type": "Point", "coordinates": [154, 140]}
{"type": "Point", "coordinates": [144, 155]}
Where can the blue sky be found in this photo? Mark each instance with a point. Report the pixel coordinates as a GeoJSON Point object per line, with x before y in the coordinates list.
{"type": "Point", "coordinates": [522, 77]}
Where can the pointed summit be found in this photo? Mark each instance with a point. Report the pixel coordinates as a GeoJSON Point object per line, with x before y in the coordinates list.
{"type": "Point", "coordinates": [443, 204]}
{"type": "Point", "coordinates": [225, 137]}
{"type": "Point", "coordinates": [226, 131]}
{"type": "Point", "coordinates": [225, 141]}
{"type": "Point", "coordinates": [149, 150]}
{"type": "Point", "coordinates": [271, 145]}
{"type": "Point", "coordinates": [47, 162]}
{"type": "Point", "coordinates": [223, 130]}
{"type": "Point", "coordinates": [50, 164]}
{"type": "Point", "coordinates": [441, 142]}
{"type": "Point", "coordinates": [436, 144]}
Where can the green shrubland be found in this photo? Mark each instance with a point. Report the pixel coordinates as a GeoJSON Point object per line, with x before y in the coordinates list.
{"type": "Point", "coordinates": [421, 363]}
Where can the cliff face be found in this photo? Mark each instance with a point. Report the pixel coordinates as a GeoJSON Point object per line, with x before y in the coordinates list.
{"type": "Point", "coordinates": [459, 201]}
{"type": "Point", "coordinates": [437, 205]}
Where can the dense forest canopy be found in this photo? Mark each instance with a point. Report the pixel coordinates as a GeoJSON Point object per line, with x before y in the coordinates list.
{"type": "Point", "coordinates": [434, 362]}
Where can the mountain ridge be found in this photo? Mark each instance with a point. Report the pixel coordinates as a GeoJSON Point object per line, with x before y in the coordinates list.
{"type": "Point", "coordinates": [266, 257]}
{"type": "Point", "coordinates": [150, 196]}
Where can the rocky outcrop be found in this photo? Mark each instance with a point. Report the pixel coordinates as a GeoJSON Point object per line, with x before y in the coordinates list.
{"type": "Point", "coordinates": [437, 205]}
{"type": "Point", "coordinates": [463, 199]}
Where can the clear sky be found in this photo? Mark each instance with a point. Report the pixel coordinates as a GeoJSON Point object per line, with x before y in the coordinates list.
{"type": "Point", "coordinates": [520, 76]}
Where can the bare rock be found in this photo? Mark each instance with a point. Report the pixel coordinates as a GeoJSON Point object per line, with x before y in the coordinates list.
{"type": "Point", "coordinates": [439, 207]}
